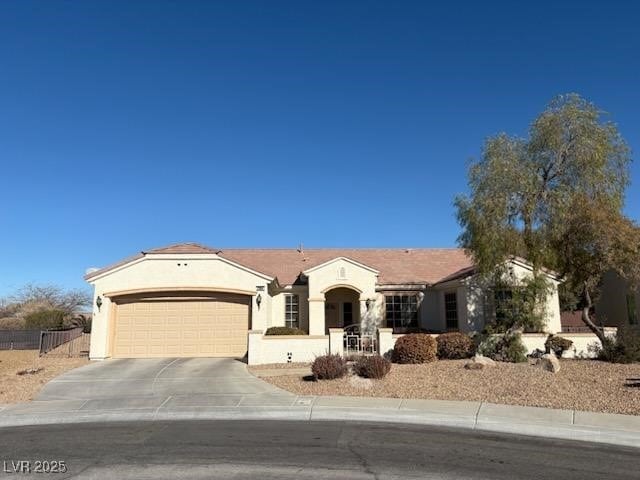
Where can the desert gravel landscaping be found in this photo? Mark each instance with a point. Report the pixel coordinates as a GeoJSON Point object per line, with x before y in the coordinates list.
{"type": "Point", "coordinates": [16, 388]}
{"type": "Point", "coordinates": [586, 385]}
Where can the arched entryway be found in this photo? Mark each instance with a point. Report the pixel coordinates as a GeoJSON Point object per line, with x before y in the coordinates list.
{"type": "Point", "coordinates": [341, 308]}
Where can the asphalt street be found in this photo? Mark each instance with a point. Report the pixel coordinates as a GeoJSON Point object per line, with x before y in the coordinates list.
{"type": "Point", "coordinates": [300, 450]}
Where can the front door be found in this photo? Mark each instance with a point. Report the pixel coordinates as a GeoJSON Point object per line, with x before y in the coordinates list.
{"type": "Point", "coordinates": [347, 314]}
{"type": "Point", "coordinates": [331, 316]}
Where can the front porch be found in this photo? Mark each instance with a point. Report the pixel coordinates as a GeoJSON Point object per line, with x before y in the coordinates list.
{"type": "Point", "coordinates": [342, 293]}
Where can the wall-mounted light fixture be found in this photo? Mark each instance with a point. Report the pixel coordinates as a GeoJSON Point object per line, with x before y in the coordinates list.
{"type": "Point", "coordinates": [99, 302]}
{"type": "Point", "coordinates": [368, 303]}
{"type": "Point", "coordinates": [258, 300]}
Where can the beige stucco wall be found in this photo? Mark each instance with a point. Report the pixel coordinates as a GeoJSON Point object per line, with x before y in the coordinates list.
{"type": "Point", "coordinates": [461, 302]}
{"type": "Point", "coordinates": [325, 277]}
{"type": "Point", "coordinates": [335, 274]}
{"type": "Point", "coordinates": [473, 290]}
{"type": "Point", "coordinates": [287, 348]}
{"type": "Point", "coordinates": [157, 272]}
{"type": "Point", "coordinates": [278, 306]}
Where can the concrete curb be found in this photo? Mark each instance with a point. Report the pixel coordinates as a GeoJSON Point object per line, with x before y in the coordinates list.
{"type": "Point", "coordinates": [539, 422]}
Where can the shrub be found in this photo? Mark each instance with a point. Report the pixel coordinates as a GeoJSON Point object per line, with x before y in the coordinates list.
{"type": "Point", "coordinates": [373, 366]}
{"type": "Point", "coordinates": [284, 331]}
{"type": "Point", "coordinates": [625, 348]}
{"type": "Point", "coordinates": [510, 349]}
{"type": "Point", "coordinates": [487, 345]}
{"type": "Point", "coordinates": [11, 323]}
{"type": "Point", "coordinates": [503, 348]}
{"type": "Point", "coordinates": [415, 348]}
{"type": "Point", "coordinates": [83, 321]}
{"type": "Point", "coordinates": [328, 367]}
{"type": "Point", "coordinates": [455, 345]}
{"type": "Point", "coordinates": [45, 319]}
{"type": "Point", "coordinates": [557, 345]}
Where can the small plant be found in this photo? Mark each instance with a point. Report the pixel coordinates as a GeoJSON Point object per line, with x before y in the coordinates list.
{"type": "Point", "coordinates": [373, 366]}
{"type": "Point", "coordinates": [556, 344]}
{"type": "Point", "coordinates": [284, 331]}
{"type": "Point", "coordinates": [415, 348]}
{"type": "Point", "coordinates": [329, 367]}
{"type": "Point", "coordinates": [30, 371]}
{"type": "Point", "coordinates": [625, 348]}
{"type": "Point", "coordinates": [455, 345]}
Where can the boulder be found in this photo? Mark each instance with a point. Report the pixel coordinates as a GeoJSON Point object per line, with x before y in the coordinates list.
{"type": "Point", "coordinates": [479, 362]}
{"type": "Point", "coordinates": [486, 361]}
{"type": "Point", "coordinates": [550, 363]}
{"type": "Point", "coordinates": [471, 365]}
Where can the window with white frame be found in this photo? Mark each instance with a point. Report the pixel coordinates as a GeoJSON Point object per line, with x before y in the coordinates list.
{"type": "Point", "coordinates": [503, 304]}
{"type": "Point", "coordinates": [451, 310]}
{"type": "Point", "coordinates": [401, 311]}
{"type": "Point", "coordinates": [291, 311]}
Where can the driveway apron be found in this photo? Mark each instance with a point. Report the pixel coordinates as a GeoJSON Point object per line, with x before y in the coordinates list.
{"type": "Point", "coordinates": [152, 383]}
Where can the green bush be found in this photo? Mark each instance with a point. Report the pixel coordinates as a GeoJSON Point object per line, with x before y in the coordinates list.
{"type": "Point", "coordinates": [373, 366]}
{"type": "Point", "coordinates": [45, 319]}
{"type": "Point", "coordinates": [487, 344]}
{"type": "Point", "coordinates": [503, 348]}
{"type": "Point", "coordinates": [284, 331]}
{"type": "Point", "coordinates": [625, 348]}
{"type": "Point", "coordinates": [558, 345]}
{"type": "Point", "coordinates": [328, 367]}
{"type": "Point", "coordinates": [415, 348]}
{"type": "Point", "coordinates": [511, 349]}
{"type": "Point", "coordinates": [455, 345]}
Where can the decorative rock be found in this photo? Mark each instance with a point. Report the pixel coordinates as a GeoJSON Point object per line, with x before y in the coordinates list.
{"type": "Point", "coordinates": [550, 363]}
{"type": "Point", "coordinates": [479, 362]}
{"type": "Point", "coordinates": [486, 361]}
{"type": "Point", "coordinates": [471, 365]}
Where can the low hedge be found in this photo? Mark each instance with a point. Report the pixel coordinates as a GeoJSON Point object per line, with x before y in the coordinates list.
{"type": "Point", "coordinates": [284, 331]}
{"type": "Point", "coordinates": [455, 345]}
{"type": "Point", "coordinates": [415, 348]}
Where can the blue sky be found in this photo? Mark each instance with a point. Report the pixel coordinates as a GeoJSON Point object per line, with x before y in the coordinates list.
{"type": "Point", "coordinates": [130, 125]}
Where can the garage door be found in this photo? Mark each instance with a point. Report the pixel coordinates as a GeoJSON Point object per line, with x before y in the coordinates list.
{"type": "Point", "coordinates": [215, 327]}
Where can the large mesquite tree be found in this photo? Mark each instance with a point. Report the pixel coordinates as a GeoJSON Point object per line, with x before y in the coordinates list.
{"type": "Point", "coordinates": [553, 198]}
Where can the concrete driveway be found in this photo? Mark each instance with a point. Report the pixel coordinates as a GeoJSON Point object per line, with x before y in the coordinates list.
{"type": "Point", "coordinates": [151, 383]}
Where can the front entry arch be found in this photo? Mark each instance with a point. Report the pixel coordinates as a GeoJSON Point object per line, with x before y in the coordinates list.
{"type": "Point", "coordinates": [342, 308]}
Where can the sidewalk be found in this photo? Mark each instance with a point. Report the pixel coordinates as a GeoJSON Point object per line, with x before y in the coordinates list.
{"type": "Point", "coordinates": [543, 422]}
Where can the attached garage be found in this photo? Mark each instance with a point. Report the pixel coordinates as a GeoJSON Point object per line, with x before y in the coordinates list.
{"type": "Point", "coordinates": [165, 325]}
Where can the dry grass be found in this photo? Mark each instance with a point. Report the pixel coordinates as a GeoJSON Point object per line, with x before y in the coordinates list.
{"type": "Point", "coordinates": [581, 385]}
{"type": "Point", "coordinates": [21, 388]}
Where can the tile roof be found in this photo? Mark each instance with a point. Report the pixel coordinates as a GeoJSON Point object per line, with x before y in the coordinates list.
{"type": "Point", "coordinates": [396, 265]}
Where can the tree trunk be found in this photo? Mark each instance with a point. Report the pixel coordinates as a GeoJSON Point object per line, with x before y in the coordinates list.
{"type": "Point", "coordinates": [586, 315]}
